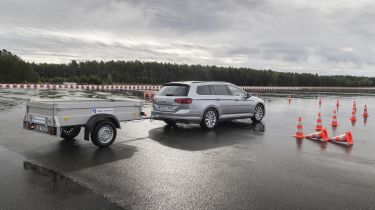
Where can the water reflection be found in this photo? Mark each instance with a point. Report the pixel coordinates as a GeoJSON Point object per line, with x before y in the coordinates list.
{"type": "Point", "coordinates": [53, 94]}
{"type": "Point", "coordinates": [8, 103]}
{"type": "Point", "coordinates": [193, 137]}
{"type": "Point", "coordinates": [346, 148]}
{"type": "Point", "coordinates": [322, 144]}
{"type": "Point", "coordinates": [299, 143]}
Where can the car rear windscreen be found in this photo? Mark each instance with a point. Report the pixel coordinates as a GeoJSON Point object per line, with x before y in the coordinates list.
{"type": "Point", "coordinates": [174, 90]}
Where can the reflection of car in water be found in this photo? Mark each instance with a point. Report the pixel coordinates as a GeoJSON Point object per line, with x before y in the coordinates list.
{"type": "Point", "coordinates": [192, 137]}
{"type": "Point", "coordinates": [206, 103]}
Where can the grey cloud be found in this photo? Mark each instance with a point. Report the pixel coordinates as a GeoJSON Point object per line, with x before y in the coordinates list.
{"type": "Point", "coordinates": [327, 37]}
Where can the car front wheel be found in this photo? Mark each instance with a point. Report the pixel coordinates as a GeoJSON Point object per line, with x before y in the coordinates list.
{"type": "Point", "coordinates": [258, 113]}
{"type": "Point", "coordinates": [70, 132]}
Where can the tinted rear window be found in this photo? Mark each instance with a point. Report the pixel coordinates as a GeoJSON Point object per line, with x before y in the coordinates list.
{"type": "Point", "coordinates": [221, 90]}
{"type": "Point", "coordinates": [204, 90]}
{"type": "Point", "coordinates": [174, 90]}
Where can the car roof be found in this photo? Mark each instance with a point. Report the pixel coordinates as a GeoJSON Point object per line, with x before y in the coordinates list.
{"type": "Point", "coordinates": [197, 82]}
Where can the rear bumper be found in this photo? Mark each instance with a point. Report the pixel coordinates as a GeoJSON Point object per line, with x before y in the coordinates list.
{"type": "Point", "coordinates": [40, 128]}
{"type": "Point", "coordinates": [177, 117]}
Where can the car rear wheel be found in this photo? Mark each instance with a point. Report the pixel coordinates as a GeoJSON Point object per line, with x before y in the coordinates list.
{"type": "Point", "coordinates": [170, 123]}
{"type": "Point", "coordinates": [70, 132]}
{"type": "Point", "coordinates": [258, 113]}
{"type": "Point", "coordinates": [210, 119]}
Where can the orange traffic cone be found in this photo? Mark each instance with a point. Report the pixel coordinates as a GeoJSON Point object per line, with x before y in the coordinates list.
{"type": "Point", "coordinates": [299, 131]}
{"type": "Point", "coordinates": [319, 125]}
{"type": "Point", "coordinates": [365, 114]}
{"type": "Point", "coordinates": [353, 118]}
{"type": "Point", "coordinates": [337, 103]}
{"type": "Point", "coordinates": [320, 101]}
{"type": "Point", "coordinates": [346, 138]}
{"type": "Point", "coordinates": [354, 106]}
{"type": "Point", "coordinates": [334, 119]}
{"type": "Point", "coordinates": [289, 99]}
{"type": "Point", "coordinates": [321, 135]}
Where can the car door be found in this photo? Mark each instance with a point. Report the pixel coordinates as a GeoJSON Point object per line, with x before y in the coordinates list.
{"type": "Point", "coordinates": [224, 99]}
{"type": "Point", "coordinates": [241, 104]}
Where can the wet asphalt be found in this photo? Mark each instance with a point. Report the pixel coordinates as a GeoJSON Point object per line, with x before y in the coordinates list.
{"type": "Point", "coordinates": [240, 165]}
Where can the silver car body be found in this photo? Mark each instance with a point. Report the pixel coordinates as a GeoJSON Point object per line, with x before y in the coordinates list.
{"type": "Point", "coordinates": [233, 106]}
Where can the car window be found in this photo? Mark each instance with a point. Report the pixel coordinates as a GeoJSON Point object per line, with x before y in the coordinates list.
{"type": "Point", "coordinates": [174, 90]}
{"type": "Point", "coordinates": [204, 90]}
{"type": "Point", "coordinates": [236, 91]}
{"type": "Point", "coordinates": [221, 90]}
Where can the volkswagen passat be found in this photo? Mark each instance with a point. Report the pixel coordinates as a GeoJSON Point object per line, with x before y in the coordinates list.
{"type": "Point", "coordinates": [205, 103]}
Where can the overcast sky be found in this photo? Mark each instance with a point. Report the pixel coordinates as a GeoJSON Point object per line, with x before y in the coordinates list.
{"type": "Point", "coordinates": [319, 36]}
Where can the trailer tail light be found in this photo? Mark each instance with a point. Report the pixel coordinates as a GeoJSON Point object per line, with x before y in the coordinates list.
{"type": "Point", "coordinates": [183, 100]}
{"type": "Point", "coordinates": [27, 125]}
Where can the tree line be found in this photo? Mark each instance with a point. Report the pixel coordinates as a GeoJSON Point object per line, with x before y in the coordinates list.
{"type": "Point", "coordinates": [15, 70]}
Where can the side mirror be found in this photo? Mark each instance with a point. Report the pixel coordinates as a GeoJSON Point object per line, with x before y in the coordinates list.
{"type": "Point", "coordinates": [248, 95]}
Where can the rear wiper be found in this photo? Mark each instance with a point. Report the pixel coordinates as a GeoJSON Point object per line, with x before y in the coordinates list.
{"type": "Point", "coordinates": [169, 95]}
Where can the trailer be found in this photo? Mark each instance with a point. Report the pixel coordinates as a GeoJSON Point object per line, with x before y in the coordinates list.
{"type": "Point", "coordinates": [99, 118]}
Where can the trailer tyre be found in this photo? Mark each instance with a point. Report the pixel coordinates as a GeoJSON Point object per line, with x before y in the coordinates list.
{"type": "Point", "coordinates": [70, 132]}
{"type": "Point", "coordinates": [104, 134]}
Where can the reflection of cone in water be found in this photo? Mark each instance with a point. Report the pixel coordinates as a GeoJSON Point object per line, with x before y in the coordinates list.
{"type": "Point", "coordinates": [321, 135]}
{"type": "Point", "coordinates": [299, 132]}
{"type": "Point", "coordinates": [353, 118]}
{"type": "Point", "coordinates": [346, 138]}
{"type": "Point", "coordinates": [334, 119]}
{"type": "Point", "coordinates": [319, 125]}
{"type": "Point", "coordinates": [365, 114]}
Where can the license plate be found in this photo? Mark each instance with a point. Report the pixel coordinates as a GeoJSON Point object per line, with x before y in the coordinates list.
{"type": "Point", "coordinates": [38, 120]}
{"type": "Point", "coordinates": [164, 107]}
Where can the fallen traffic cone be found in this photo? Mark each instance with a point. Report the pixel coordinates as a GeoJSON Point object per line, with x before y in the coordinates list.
{"type": "Point", "coordinates": [321, 135]}
{"type": "Point", "coordinates": [319, 125]}
{"type": "Point", "coordinates": [365, 114]}
{"type": "Point", "coordinates": [353, 118]}
{"type": "Point", "coordinates": [334, 119]}
{"type": "Point", "coordinates": [299, 131]}
{"type": "Point", "coordinates": [346, 139]}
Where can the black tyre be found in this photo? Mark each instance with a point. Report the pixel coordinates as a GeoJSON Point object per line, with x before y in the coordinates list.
{"type": "Point", "coordinates": [70, 132]}
{"type": "Point", "coordinates": [104, 134]}
{"type": "Point", "coordinates": [210, 119]}
{"type": "Point", "coordinates": [258, 113]}
{"type": "Point", "coordinates": [170, 123]}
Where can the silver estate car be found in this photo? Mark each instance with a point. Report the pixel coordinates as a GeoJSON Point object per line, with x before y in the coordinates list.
{"type": "Point", "coordinates": [205, 103]}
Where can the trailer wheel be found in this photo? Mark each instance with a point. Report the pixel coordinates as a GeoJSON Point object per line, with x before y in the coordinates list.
{"type": "Point", "coordinates": [104, 134]}
{"type": "Point", "coordinates": [70, 132]}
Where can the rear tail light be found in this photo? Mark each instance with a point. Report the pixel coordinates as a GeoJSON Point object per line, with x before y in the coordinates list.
{"type": "Point", "coordinates": [183, 100]}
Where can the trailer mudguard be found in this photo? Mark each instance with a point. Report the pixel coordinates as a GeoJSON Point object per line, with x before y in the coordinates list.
{"type": "Point", "coordinates": [94, 120]}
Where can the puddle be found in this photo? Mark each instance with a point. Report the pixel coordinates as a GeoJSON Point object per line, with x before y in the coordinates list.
{"type": "Point", "coordinates": [53, 175]}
